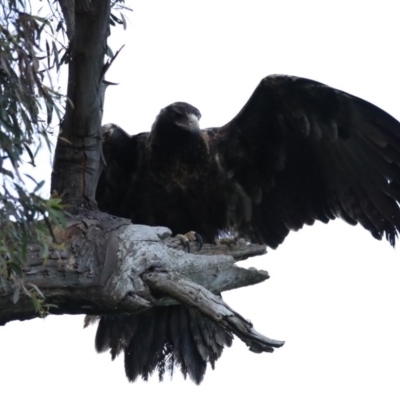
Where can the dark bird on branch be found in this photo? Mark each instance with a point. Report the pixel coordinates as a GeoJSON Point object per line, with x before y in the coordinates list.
{"type": "Point", "coordinates": [299, 151]}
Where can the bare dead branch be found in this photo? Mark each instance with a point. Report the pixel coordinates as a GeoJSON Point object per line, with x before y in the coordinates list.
{"type": "Point", "coordinates": [197, 297]}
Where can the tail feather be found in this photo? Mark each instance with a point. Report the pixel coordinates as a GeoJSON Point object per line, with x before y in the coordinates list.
{"type": "Point", "coordinates": [177, 347]}
{"type": "Point", "coordinates": [191, 360]}
{"type": "Point", "coordinates": [215, 338]}
{"type": "Point", "coordinates": [145, 349]}
{"type": "Point", "coordinates": [115, 332]}
{"type": "Point", "coordinates": [161, 339]}
{"type": "Point", "coordinates": [195, 328]}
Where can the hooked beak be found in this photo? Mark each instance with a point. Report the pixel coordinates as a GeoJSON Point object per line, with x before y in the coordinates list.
{"type": "Point", "coordinates": [189, 122]}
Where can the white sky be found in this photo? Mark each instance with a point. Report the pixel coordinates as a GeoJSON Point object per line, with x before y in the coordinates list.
{"type": "Point", "coordinates": [333, 293]}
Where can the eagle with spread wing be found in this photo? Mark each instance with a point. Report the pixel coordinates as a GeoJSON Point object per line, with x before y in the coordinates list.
{"type": "Point", "coordinates": [299, 151]}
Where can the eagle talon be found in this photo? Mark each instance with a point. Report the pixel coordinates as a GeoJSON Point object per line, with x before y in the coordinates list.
{"type": "Point", "coordinates": [187, 245]}
{"type": "Point", "coordinates": [188, 237]}
{"type": "Point", "coordinates": [199, 240]}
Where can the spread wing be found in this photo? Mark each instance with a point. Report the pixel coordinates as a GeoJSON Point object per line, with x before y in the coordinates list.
{"type": "Point", "coordinates": [302, 151]}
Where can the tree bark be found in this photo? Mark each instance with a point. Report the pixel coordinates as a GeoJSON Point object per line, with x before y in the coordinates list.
{"type": "Point", "coordinates": [77, 161]}
{"type": "Point", "coordinates": [68, 10]}
{"type": "Point", "coordinates": [109, 265]}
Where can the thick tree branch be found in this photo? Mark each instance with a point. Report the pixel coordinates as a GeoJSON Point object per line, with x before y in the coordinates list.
{"type": "Point", "coordinates": [109, 265]}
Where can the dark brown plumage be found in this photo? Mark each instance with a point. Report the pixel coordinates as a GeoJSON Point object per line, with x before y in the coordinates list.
{"type": "Point", "coordinates": [298, 151]}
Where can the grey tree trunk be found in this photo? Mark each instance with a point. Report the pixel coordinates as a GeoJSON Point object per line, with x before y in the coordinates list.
{"type": "Point", "coordinates": [77, 160]}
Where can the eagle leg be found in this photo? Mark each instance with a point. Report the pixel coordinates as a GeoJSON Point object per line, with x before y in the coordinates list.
{"type": "Point", "coordinates": [188, 237]}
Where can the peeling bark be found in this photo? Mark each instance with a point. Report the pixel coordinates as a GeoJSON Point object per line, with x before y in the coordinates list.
{"type": "Point", "coordinates": [109, 265]}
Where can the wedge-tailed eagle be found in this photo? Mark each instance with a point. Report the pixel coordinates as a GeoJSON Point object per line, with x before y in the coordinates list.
{"type": "Point", "coordinates": [299, 151]}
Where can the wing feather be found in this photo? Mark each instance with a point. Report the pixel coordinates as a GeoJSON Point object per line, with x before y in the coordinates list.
{"type": "Point", "coordinates": [316, 153]}
{"type": "Point", "coordinates": [122, 155]}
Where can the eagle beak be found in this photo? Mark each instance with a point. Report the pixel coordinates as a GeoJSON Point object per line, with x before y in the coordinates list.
{"type": "Point", "coordinates": [189, 122]}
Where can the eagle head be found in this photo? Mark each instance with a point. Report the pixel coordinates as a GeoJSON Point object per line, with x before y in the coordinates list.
{"type": "Point", "coordinates": [178, 117]}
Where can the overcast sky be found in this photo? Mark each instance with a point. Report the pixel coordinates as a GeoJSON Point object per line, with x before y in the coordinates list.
{"type": "Point", "coordinates": [334, 291]}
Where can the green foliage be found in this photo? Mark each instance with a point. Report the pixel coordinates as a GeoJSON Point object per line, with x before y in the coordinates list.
{"type": "Point", "coordinates": [32, 49]}
{"type": "Point", "coordinates": [27, 105]}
